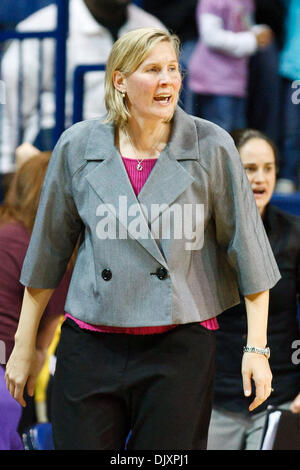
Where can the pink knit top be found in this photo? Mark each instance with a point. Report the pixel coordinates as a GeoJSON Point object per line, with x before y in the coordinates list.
{"type": "Point", "coordinates": [138, 179]}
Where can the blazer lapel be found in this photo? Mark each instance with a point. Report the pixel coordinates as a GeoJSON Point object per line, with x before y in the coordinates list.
{"type": "Point", "coordinates": [168, 179]}
{"type": "Point", "coordinates": [166, 182]}
{"type": "Point", "coordinates": [111, 183]}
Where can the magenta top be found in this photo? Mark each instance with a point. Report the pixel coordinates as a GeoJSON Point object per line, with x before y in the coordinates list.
{"type": "Point", "coordinates": [138, 179]}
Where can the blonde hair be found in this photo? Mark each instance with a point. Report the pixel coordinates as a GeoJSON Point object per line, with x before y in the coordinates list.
{"type": "Point", "coordinates": [127, 53]}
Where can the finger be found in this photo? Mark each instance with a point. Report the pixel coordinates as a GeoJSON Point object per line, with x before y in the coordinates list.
{"type": "Point", "coordinates": [11, 387]}
{"type": "Point", "coordinates": [31, 385]}
{"type": "Point", "coordinates": [18, 395]}
{"type": "Point", "coordinates": [260, 390]}
{"type": "Point", "coordinates": [7, 381]}
{"type": "Point", "coordinates": [15, 389]}
{"type": "Point", "coordinates": [268, 390]}
{"type": "Point", "coordinates": [256, 402]}
{"type": "Point", "coordinates": [259, 395]}
{"type": "Point", "coordinates": [246, 384]}
{"type": "Point", "coordinates": [295, 407]}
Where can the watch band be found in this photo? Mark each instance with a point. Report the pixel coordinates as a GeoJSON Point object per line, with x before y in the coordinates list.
{"type": "Point", "coordinates": [264, 351]}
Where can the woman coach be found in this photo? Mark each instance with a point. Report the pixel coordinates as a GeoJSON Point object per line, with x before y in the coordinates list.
{"type": "Point", "coordinates": [137, 351]}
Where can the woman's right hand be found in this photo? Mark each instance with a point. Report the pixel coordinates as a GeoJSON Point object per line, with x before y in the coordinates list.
{"type": "Point", "coordinates": [264, 37]}
{"type": "Point", "coordinates": [23, 366]}
{"type": "Point", "coordinates": [26, 360]}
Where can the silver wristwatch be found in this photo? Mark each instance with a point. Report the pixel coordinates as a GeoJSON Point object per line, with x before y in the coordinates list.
{"type": "Point", "coordinates": [264, 351]}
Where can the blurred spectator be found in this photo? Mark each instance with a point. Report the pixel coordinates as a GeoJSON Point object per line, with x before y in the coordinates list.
{"type": "Point", "coordinates": [10, 17]}
{"type": "Point", "coordinates": [263, 108]}
{"type": "Point", "coordinates": [44, 381]}
{"type": "Point", "coordinates": [93, 27]}
{"type": "Point", "coordinates": [232, 427]}
{"type": "Point", "coordinates": [24, 152]}
{"type": "Point", "coordinates": [180, 18]}
{"type": "Point", "coordinates": [219, 65]}
{"type": "Point", "coordinates": [271, 13]}
{"type": "Point", "coordinates": [289, 69]}
{"type": "Point", "coordinates": [176, 15]}
{"type": "Point", "coordinates": [17, 216]}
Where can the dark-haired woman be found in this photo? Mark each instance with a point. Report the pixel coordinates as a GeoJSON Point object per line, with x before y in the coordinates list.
{"type": "Point", "coordinates": [232, 427]}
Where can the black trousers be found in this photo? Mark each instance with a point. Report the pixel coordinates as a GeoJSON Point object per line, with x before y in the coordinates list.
{"type": "Point", "coordinates": [159, 387]}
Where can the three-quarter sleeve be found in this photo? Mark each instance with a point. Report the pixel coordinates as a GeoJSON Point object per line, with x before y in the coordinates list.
{"type": "Point", "coordinates": [239, 227]}
{"type": "Point", "coordinates": [57, 225]}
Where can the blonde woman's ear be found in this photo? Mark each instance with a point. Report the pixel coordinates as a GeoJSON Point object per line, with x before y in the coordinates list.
{"type": "Point", "coordinates": [119, 81]}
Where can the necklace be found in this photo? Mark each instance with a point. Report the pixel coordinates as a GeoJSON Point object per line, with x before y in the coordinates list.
{"type": "Point", "coordinates": [139, 165]}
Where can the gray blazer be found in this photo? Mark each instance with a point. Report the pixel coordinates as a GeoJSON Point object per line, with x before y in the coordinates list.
{"type": "Point", "coordinates": [131, 269]}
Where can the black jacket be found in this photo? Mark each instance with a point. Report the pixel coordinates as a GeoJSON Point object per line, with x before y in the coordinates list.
{"type": "Point", "coordinates": [272, 13]}
{"type": "Point", "coordinates": [283, 231]}
{"type": "Point", "coordinates": [179, 16]}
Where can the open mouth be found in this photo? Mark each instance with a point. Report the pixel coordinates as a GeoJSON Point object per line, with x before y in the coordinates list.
{"type": "Point", "coordinates": [163, 98]}
{"type": "Point", "coordinates": [259, 192]}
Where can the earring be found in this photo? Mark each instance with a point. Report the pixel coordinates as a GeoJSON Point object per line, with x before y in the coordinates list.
{"type": "Point", "coordinates": [123, 94]}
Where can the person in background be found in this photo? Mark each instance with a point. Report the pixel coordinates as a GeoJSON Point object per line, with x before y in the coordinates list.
{"type": "Point", "coordinates": [232, 427]}
{"type": "Point", "coordinates": [263, 107]}
{"type": "Point", "coordinates": [43, 385]}
{"type": "Point", "coordinates": [22, 154]}
{"type": "Point", "coordinates": [289, 70]}
{"type": "Point", "coordinates": [138, 340]}
{"type": "Point", "coordinates": [94, 25]}
{"type": "Point", "coordinates": [17, 214]}
{"type": "Point", "coordinates": [180, 18]}
{"type": "Point", "coordinates": [218, 68]}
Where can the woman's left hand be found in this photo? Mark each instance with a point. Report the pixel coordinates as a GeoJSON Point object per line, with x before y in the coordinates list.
{"type": "Point", "coordinates": [256, 367]}
{"type": "Point", "coordinates": [295, 406]}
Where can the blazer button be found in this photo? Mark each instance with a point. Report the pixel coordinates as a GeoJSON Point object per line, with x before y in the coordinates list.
{"type": "Point", "coordinates": [106, 274]}
{"type": "Point", "coordinates": [161, 273]}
